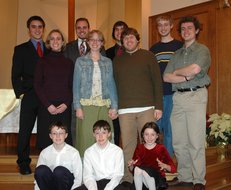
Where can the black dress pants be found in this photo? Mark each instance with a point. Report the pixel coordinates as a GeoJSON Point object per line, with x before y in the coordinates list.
{"type": "Point", "coordinates": [45, 119]}
{"type": "Point", "coordinates": [28, 114]}
{"type": "Point", "coordinates": [116, 127]}
{"type": "Point", "coordinates": [60, 179]}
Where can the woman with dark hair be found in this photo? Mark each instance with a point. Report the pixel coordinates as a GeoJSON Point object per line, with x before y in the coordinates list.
{"type": "Point", "coordinates": [117, 49]}
{"type": "Point", "coordinates": [111, 52]}
{"type": "Point", "coordinates": [151, 160]}
{"type": "Point", "coordinates": [53, 85]}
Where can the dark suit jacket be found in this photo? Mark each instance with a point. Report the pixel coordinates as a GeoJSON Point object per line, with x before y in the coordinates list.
{"type": "Point", "coordinates": [24, 61]}
{"type": "Point", "coordinates": [72, 50]}
{"type": "Point", "coordinates": [111, 52]}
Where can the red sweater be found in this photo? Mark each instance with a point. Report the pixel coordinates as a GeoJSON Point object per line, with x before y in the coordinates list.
{"type": "Point", "coordinates": [148, 157]}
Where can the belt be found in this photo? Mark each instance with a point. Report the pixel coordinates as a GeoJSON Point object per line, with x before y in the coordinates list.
{"type": "Point", "coordinates": [189, 89]}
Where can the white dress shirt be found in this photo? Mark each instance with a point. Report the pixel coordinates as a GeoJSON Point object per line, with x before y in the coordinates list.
{"type": "Point", "coordinates": [68, 157]}
{"type": "Point", "coordinates": [106, 163]}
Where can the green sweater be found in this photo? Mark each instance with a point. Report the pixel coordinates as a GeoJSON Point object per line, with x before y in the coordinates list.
{"type": "Point", "coordinates": [138, 80]}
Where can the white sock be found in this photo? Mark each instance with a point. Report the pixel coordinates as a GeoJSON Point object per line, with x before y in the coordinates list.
{"type": "Point", "coordinates": [138, 178]}
{"type": "Point", "coordinates": [149, 181]}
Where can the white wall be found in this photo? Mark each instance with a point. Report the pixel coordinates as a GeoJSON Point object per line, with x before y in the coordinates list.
{"type": "Point", "coordinates": [54, 13]}
{"type": "Point", "coordinates": [49, 10]}
{"type": "Point", "coordinates": [8, 20]}
{"type": "Point", "coordinates": [161, 6]}
{"type": "Point", "coordinates": [154, 7]}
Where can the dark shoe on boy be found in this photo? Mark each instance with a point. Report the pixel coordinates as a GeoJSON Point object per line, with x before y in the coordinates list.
{"type": "Point", "coordinates": [127, 185]}
{"type": "Point", "coordinates": [199, 186]}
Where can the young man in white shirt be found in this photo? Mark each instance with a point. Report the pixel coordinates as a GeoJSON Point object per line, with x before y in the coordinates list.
{"type": "Point", "coordinates": [103, 165]}
{"type": "Point", "coordinates": [59, 165]}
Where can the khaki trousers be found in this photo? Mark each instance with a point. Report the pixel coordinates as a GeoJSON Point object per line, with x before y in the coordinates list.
{"type": "Point", "coordinates": [188, 121]}
{"type": "Point", "coordinates": [131, 125]}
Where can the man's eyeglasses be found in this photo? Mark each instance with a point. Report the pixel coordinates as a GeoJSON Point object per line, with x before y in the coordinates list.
{"type": "Point", "coordinates": [58, 134]}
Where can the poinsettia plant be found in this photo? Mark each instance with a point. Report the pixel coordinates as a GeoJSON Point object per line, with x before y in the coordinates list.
{"type": "Point", "coordinates": [219, 128]}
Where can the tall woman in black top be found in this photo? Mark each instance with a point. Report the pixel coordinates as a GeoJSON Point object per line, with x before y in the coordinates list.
{"type": "Point", "coordinates": [53, 85]}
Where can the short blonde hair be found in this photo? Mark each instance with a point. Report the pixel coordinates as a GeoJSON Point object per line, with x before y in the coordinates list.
{"type": "Point", "coordinates": [99, 33]}
{"type": "Point", "coordinates": [49, 38]}
{"type": "Point", "coordinates": [164, 17]}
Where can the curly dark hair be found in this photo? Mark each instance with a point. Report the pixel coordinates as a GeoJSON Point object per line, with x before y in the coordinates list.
{"type": "Point", "coordinates": [192, 19]}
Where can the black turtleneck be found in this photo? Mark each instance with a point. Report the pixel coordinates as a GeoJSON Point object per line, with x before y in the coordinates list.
{"type": "Point", "coordinates": [53, 79]}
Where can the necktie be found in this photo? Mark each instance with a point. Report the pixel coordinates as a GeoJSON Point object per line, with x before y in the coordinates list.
{"type": "Point", "coordinates": [119, 51]}
{"type": "Point", "coordinates": [39, 49]}
{"type": "Point", "coordinates": [82, 49]}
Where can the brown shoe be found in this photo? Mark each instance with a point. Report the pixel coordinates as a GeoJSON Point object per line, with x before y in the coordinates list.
{"type": "Point", "coordinates": [199, 186]}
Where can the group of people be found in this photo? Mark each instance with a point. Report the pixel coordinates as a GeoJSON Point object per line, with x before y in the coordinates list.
{"type": "Point", "coordinates": [60, 166]}
{"type": "Point", "coordinates": [141, 93]}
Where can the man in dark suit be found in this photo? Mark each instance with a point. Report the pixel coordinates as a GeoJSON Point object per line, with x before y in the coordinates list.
{"type": "Point", "coordinates": [25, 58]}
{"type": "Point", "coordinates": [75, 49]}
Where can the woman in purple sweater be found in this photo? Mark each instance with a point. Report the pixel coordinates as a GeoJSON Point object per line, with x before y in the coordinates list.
{"type": "Point", "coordinates": [53, 85]}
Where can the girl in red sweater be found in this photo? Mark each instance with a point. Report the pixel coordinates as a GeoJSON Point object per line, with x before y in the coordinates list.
{"type": "Point", "coordinates": [151, 160]}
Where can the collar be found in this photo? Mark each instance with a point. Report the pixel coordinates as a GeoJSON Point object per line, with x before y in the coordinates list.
{"type": "Point", "coordinates": [81, 40]}
{"type": "Point", "coordinates": [118, 46]}
{"type": "Point", "coordinates": [192, 47]}
{"type": "Point", "coordinates": [63, 150]}
{"type": "Point", "coordinates": [105, 148]}
{"type": "Point", "coordinates": [133, 52]}
{"type": "Point", "coordinates": [102, 58]}
{"type": "Point", "coordinates": [34, 42]}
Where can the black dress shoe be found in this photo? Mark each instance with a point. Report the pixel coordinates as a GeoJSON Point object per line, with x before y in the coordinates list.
{"type": "Point", "coordinates": [127, 185]}
{"type": "Point", "coordinates": [24, 169]}
{"type": "Point", "coordinates": [162, 184]}
{"type": "Point", "coordinates": [199, 186]}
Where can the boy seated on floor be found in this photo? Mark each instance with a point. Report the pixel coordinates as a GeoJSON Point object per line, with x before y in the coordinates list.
{"type": "Point", "coordinates": [59, 165]}
{"type": "Point", "coordinates": [103, 163]}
